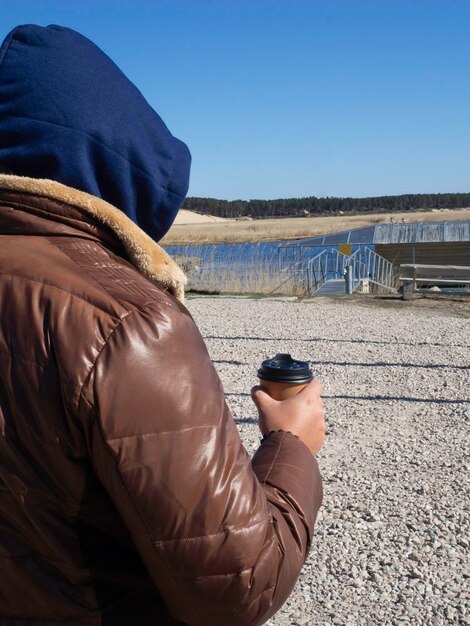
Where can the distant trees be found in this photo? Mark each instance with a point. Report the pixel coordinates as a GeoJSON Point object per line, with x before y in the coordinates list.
{"type": "Point", "coordinates": [326, 206]}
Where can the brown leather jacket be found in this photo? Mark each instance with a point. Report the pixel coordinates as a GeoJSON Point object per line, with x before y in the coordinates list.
{"type": "Point", "coordinates": [126, 496]}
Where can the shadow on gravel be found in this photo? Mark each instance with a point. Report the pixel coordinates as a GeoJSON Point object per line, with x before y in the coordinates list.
{"type": "Point", "coordinates": [328, 340]}
{"type": "Point", "coordinates": [396, 399]}
{"type": "Point", "coordinates": [430, 366]}
{"type": "Point", "coordinates": [246, 420]}
{"type": "Point", "coordinates": [237, 395]}
{"type": "Point", "coordinates": [229, 362]}
{"type": "Point", "coordinates": [373, 398]}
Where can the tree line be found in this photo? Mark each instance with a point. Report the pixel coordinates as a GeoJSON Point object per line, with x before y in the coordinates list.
{"type": "Point", "coordinates": [326, 206]}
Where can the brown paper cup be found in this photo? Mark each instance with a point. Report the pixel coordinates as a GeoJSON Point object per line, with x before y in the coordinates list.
{"type": "Point", "coordinates": [281, 391]}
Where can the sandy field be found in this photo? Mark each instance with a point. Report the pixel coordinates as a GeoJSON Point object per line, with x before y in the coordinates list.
{"type": "Point", "coordinates": [393, 533]}
{"type": "Point", "coordinates": [201, 230]}
{"type": "Point", "coordinates": [189, 217]}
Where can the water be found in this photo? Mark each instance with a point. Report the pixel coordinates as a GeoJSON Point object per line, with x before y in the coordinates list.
{"type": "Point", "coordinates": [263, 267]}
{"type": "Point", "coordinates": [225, 254]}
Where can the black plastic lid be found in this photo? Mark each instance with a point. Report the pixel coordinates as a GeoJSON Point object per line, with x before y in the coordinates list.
{"type": "Point", "coordinates": [284, 369]}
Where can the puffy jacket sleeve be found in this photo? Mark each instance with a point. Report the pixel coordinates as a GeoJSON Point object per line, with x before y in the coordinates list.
{"type": "Point", "coordinates": [223, 537]}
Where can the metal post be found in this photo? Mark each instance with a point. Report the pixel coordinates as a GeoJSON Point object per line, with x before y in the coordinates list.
{"type": "Point", "coordinates": [349, 279]}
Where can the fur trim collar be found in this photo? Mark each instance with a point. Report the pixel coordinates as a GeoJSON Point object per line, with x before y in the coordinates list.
{"type": "Point", "coordinates": [147, 256]}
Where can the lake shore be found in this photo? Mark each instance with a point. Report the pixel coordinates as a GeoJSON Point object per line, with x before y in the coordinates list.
{"type": "Point", "coordinates": [274, 229]}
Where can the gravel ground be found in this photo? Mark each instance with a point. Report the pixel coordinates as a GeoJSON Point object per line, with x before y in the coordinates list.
{"type": "Point", "coordinates": [392, 536]}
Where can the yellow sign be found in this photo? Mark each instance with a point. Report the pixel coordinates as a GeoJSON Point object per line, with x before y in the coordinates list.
{"type": "Point", "coordinates": [345, 248]}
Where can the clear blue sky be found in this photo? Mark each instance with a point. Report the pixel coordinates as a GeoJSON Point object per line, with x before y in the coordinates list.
{"type": "Point", "coordinates": [290, 98]}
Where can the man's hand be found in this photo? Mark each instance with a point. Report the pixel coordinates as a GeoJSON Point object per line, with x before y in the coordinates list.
{"type": "Point", "coordinates": [302, 415]}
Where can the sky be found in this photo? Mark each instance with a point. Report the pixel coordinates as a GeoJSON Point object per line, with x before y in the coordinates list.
{"type": "Point", "coordinates": [293, 98]}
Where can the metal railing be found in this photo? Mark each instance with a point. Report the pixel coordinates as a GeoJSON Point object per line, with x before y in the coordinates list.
{"type": "Point", "coordinates": [317, 271]}
{"type": "Point", "coordinates": [379, 270]}
{"type": "Point", "coordinates": [363, 264]}
{"type": "Point", "coordinates": [358, 271]}
{"type": "Point", "coordinates": [328, 265]}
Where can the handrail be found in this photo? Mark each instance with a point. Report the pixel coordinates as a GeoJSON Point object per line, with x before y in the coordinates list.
{"type": "Point", "coordinates": [362, 264]}
{"type": "Point", "coordinates": [379, 270]}
{"type": "Point", "coordinates": [317, 271]}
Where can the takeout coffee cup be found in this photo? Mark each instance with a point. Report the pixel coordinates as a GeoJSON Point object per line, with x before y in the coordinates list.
{"type": "Point", "coordinates": [283, 377]}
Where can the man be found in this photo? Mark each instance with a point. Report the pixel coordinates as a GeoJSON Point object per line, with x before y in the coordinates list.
{"type": "Point", "coordinates": [126, 496]}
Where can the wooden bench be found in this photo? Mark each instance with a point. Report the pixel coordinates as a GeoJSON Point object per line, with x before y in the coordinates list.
{"type": "Point", "coordinates": [412, 276]}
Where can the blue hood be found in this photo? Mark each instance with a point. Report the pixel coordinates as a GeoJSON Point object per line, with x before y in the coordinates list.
{"type": "Point", "coordinates": [69, 114]}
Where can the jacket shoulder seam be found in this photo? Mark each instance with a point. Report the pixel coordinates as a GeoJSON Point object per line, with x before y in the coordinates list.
{"type": "Point", "coordinates": [93, 365]}
{"type": "Point", "coordinates": [118, 324]}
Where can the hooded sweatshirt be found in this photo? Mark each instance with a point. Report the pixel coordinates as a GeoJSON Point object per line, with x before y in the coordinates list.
{"type": "Point", "coordinates": [69, 114]}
